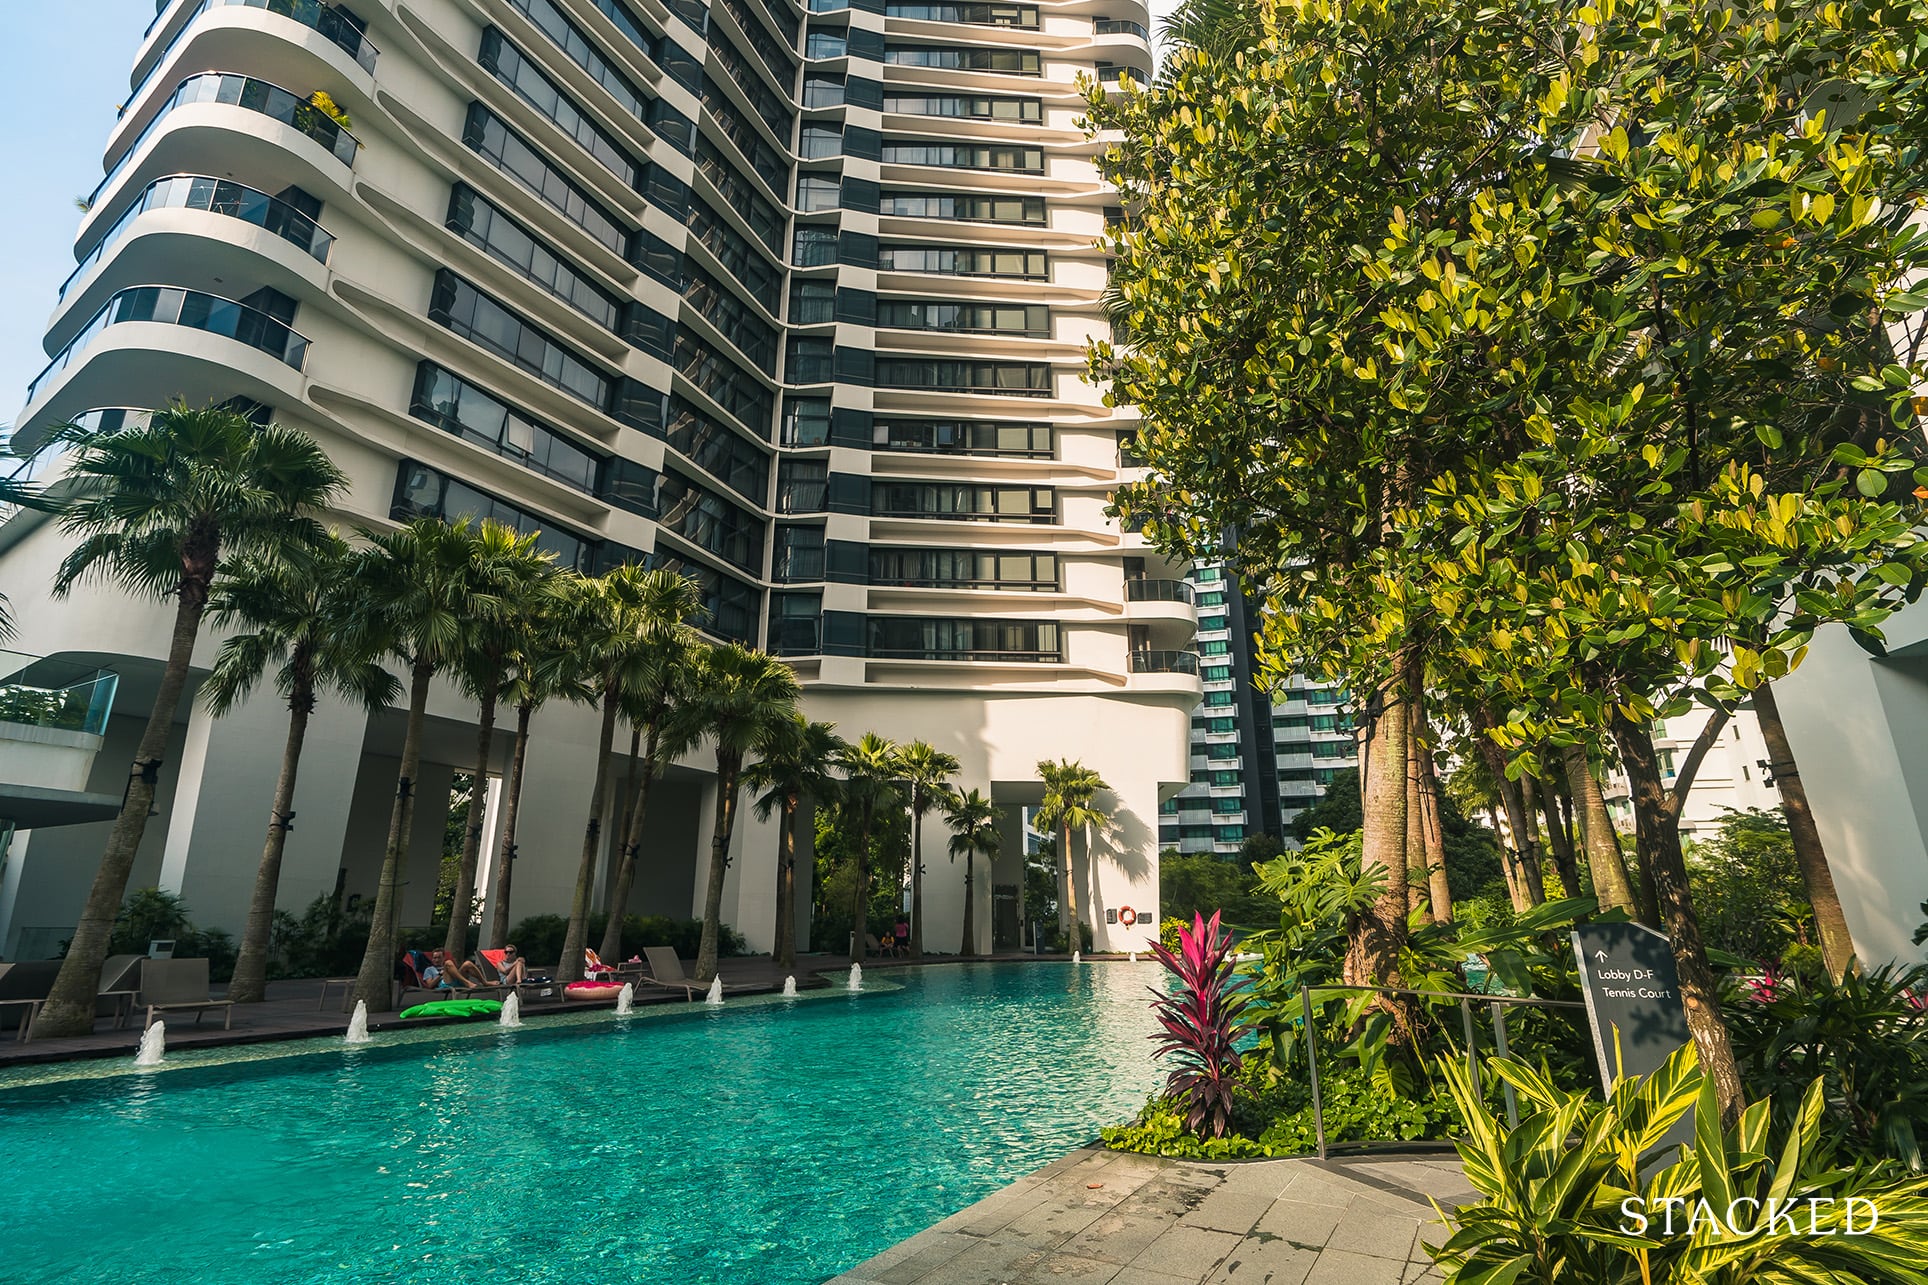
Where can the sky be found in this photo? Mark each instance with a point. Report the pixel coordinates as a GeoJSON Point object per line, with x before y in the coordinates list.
{"type": "Point", "coordinates": [63, 74]}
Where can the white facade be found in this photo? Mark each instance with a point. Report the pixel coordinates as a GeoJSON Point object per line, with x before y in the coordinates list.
{"type": "Point", "coordinates": [1733, 775]}
{"type": "Point", "coordinates": [651, 281]}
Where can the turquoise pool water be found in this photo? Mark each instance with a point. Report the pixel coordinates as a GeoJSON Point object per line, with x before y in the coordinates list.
{"type": "Point", "coordinates": [765, 1143]}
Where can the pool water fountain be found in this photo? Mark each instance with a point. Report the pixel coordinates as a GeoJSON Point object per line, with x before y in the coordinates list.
{"type": "Point", "coordinates": [626, 1000]}
{"type": "Point", "coordinates": [358, 1025]}
{"type": "Point", "coordinates": [856, 982]}
{"type": "Point", "coordinates": [789, 988]}
{"type": "Point", "coordinates": [1077, 957]}
{"type": "Point", "coordinates": [716, 991]}
{"type": "Point", "coordinates": [1132, 957]}
{"type": "Point", "coordinates": [153, 1044]}
{"type": "Point", "coordinates": [511, 1011]}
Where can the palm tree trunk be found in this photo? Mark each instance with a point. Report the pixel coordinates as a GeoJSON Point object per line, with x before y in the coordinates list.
{"type": "Point", "coordinates": [1837, 946]}
{"type": "Point", "coordinates": [1433, 834]}
{"type": "Point", "coordinates": [69, 1009]}
{"type": "Point", "coordinates": [1372, 956]}
{"type": "Point", "coordinates": [1563, 856]}
{"type": "Point", "coordinates": [726, 792]}
{"type": "Point", "coordinates": [786, 933]}
{"type": "Point", "coordinates": [461, 905]}
{"type": "Point", "coordinates": [505, 857]}
{"type": "Point", "coordinates": [970, 904]}
{"type": "Point", "coordinates": [571, 966]}
{"type": "Point", "coordinates": [1611, 886]}
{"type": "Point", "coordinates": [1073, 936]}
{"type": "Point", "coordinates": [1657, 827]}
{"type": "Point", "coordinates": [637, 813]}
{"type": "Point", "coordinates": [375, 982]}
{"type": "Point", "coordinates": [860, 911]}
{"type": "Point", "coordinates": [916, 879]}
{"type": "Point", "coordinates": [250, 981]}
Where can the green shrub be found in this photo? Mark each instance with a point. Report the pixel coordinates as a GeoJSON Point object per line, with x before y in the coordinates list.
{"type": "Point", "coordinates": [150, 914]}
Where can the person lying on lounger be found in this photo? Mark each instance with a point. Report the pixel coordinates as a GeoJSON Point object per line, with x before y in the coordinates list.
{"type": "Point", "coordinates": [452, 974]}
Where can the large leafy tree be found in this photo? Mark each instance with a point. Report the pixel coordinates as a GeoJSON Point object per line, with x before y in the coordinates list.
{"type": "Point", "coordinates": [748, 703]}
{"type": "Point", "coordinates": [426, 588]}
{"type": "Point", "coordinates": [872, 782]}
{"type": "Point", "coordinates": [796, 764]}
{"type": "Point", "coordinates": [928, 772]}
{"type": "Point", "coordinates": [973, 820]}
{"type": "Point", "coordinates": [523, 576]}
{"type": "Point", "coordinates": [159, 508]}
{"type": "Point", "coordinates": [1070, 794]}
{"type": "Point", "coordinates": [296, 618]}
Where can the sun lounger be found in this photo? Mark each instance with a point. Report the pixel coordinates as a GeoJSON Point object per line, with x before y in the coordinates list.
{"type": "Point", "coordinates": [665, 970]}
{"type": "Point", "coordinates": [179, 986]}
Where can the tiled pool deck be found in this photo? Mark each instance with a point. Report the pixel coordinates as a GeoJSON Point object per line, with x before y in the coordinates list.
{"type": "Point", "coordinates": [1103, 1218]}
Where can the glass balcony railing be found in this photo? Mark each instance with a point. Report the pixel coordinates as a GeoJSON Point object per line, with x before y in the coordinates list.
{"type": "Point", "coordinates": [221, 196]}
{"type": "Point", "coordinates": [54, 695]}
{"type": "Point", "coordinates": [1164, 662]}
{"type": "Point", "coordinates": [255, 95]}
{"type": "Point", "coordinates": [1158, 591]}
{"type": "Point", "coordinates": [1120, 27]}
{"type": "Point", "coordinates": [344, 32]}
{"type": "Point", "coordinates": [191, 308]}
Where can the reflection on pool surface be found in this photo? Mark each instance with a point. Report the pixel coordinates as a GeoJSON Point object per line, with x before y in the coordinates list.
{"type": "Point", "coordinates": [770, 1143]}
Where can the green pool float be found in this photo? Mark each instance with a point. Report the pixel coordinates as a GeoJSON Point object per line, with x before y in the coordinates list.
{"type": "Point", "coordinates": [455, 1008]}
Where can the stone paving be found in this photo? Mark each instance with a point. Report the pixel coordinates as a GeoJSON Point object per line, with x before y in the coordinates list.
{"type": "Point", "coordinates": [1105, 1218]}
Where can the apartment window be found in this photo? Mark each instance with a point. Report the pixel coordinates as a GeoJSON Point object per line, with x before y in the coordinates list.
{"type": "Point", "coordinates": [962, 261]}
{"type": "Point", "coordinates": [770, 165]}
{"type": "Point", "coordinates": [1009, 157]}
{"type": "Point", "coordinates": [1290, 722]}
{"type": "Point", "coordinates": [823, 89]}
{"type": "Point", "coordinates": [963, 207]}
{"type": "Point", "coordinates": [1222, 750]}
{"type": "Point", "coordinates": [509, 152]}
{"type": "Point", "coordinates": [1214, 648]}
{"type": "Point", "coordinates": [765, 219]}
{"type": "Point", "coordinates": [543, 94]}
{"type": "Point", "coordinates": [776, 54]}
{"type": "Point", "coordinates": [1220, 726]}
{"type": "Point", "coordinates": [963, 501]}
{"type": "Point", "coordinates": [731, 607]}
{"type": "Point", "coordinates": [658, 258]}
{"type": "Point", "coordinates": [798, 554]}
{"type": "Point", "coordinates": [775, 111]}
{"type": "Point", "coordinates": [812, 302]}
{"type": "Point", "coordinates": [1333, 749]}
{"type": "Point", "coordinates": [725, 382]}
{"type": "Point", "coordinates": [965, 318]}
{"type": "Point", "coordinates": [1228, 834]}
{"type": "Point", "coordinates": [819, 141]}
{"type": "Point", "coordinates": [964, 569]}
{"type": "Point", "coordinates": [1022, 16]}
{"type": "Point", "coordinates": [583, 51]}
{"type": "Point", "coordinates": [825, 43]}
{"type": "Point", "coordinates": [717, 449]}
{"type": "Point", "coordinates": [476, 220]}
{"type": "Point", "coordinates": [962, 437]}
{"type": "Point", "coordinates": [1220, 698]}
{"type": "Point", "coordinates": [477, 317]}
{"type": "Point", "coordinates": [743, 262]}
{"type": "Point", "coordinates": [1022, 62]}
{"type": "Point", "coordinates": [1223, 778]}
{"type": "Point", "coordinates": [1006, 378]}
{"type": "Point", "coordinates": [451, 403]}
{"type": "Point", "coordinates": [1331, 723]}
{"type": "Point", "coordinates": [919, 638]}
{"type": "Point", "coordinates": [806, 421]}
{"type": "Point", "coordinates": [733, 318]}
{"type": "Point", "coordinates": [966, 107]}
{"type": "Point", "coordinates": [1228, 806]}
{"type": "Point", "coordinates": [810, 361]}
{"type": "Point", "coordinates": [423, 492]}
{"type": "Point", "coordinates": [813, 245]}
{"type": "Point", "coordinates": [1207, 575]}
{"type": "Point", "coordinates": [1216, 599]}
{"type": "Point", "coordinates": [709, 521]}
{"type": "Point", "coordinates": [1217, 673]}
{"type": "Point", "coordinates": [816, 192]}
{"type": "Point", "coordinates": [803, 485]}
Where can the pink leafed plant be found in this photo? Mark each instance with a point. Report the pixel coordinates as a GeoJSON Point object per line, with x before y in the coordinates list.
{"type": "Point", "coordinates": [1201, 1024]}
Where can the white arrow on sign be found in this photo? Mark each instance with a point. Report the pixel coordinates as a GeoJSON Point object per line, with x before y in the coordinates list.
{"type": "Point", "coordinates": [1600, 955]}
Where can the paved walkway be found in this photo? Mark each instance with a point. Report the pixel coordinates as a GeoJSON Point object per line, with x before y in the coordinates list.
{"type": "Point", "coordinates": [1104, 1218]}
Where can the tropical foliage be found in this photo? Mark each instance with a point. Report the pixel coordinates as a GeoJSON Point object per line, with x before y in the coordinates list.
{"type": "Point", "coordinates": [1201, 1023]}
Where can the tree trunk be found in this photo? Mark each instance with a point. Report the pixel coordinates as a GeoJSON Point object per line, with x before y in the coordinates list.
{"type": "Point", "coordinates": [462, 905]}
{"type": "Point", "coordinates": [860, 911]}
{"type": "Point", "coordinates": [785, 951]}
{"type": "Point", "coordinates": [375, 982]}
{"type": "Point", "coordinates": [1073, 934]}
{"type": "Point", "coordinates": [1509, 861]}
{"type": "Point", "coordinates": [69, 1009]}
{"type": "Point", "coordinates": [573, 939]}
{"type": "Point", "coordinates": [1563, 856]}
{"type": "Point", "coordinates": [1372, 956]}
{"type": "Point", "coordinates": [1526, 842]}
{"type": "Point", "coordinates": [727, 772]}
{"type": "Point", "coordinates": [1417, 890]}
{"type": "Point", "coordinates": [916, 876]}
{"type": "Point", "coordinates": [1657, 825]}
{"type": "Point", "coordinates": [1536, 864]}
{"type": "Point", "coordinates": [1837, 947]}
{"type": "Point", "coordinates": [1433, 833]}
{"type": "Point", "coordinates": [969, 947]}
{"type": "Point", "coordinates": [505, 858]}
{"type": "Point", "coordinates": [637, 813]}
{"type": "Point", "coordinates": [250, 981]}
{"type": "Point", "coordinates": [1611, 886]}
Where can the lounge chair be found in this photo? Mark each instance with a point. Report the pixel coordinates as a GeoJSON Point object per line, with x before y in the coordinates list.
{"type": "Point", "coordinates": [120, 979]}
{"type": "Point", "coordinates": [415, 963]}
{"type": "Point", "coordinates": [179, 986]}
{"type": "Point", "coordinates": [665, 970]}
{"type": "Point", "coordinates": [490, 962]}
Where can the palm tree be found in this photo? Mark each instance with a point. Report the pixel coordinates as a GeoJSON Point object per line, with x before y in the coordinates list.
{"type": "Point", "coordinates": [929, 771]}
{"type": "Point", "coordinates": [158, 506]}
{"type": "Point", "coordinates": [748, 700]}
{"type": "Point", "coordinates": [524, 574]}
{"type": "Point", "coordinates": [622, 618]}
{"type": "Point", "coordinates": [657, 699]}
{"type": "Point", "coordinates": [1069, 788]}
{"type": "Point", "coordinates": [430, 591]}
{"type": "Point", "coordinates": [871, 772]}
{"type": "Point", "coordinates": [301, 624]}
{"type": "Point", "coordinates": [792, 766]}
{"type": "Point", "coordinates": [974, 820]}
{"type": "Point", "coordinates": [542, 667]}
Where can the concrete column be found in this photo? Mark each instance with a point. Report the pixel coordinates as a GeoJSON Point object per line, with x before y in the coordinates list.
{"type": "Point", "coordinates": [750, 888]}
{"type": "Point", "coordinates": [428, 825]}
{"type": "Point", "coordinates": [1008, 868]}
{"type": "Point", "coordinates": [225, 783]}
{"type": "Point", "coordinates": [556, 783]}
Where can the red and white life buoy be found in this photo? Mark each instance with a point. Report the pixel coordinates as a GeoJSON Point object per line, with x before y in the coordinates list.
{"type": "Point", "coordinates": [1127, 916]}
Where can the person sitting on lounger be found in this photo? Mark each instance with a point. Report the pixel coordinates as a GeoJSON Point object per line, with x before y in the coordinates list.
{"type": "Point", "coordinates": [452, 974]}
{"type": "Point", "coordinates": [513, 970]}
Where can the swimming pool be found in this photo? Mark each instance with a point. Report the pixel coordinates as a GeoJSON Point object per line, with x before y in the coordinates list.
{"type": "Point", "coordinates": [766, 1143]}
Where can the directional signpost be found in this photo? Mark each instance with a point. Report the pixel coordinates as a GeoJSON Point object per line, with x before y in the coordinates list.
{"type": "Point", "coordinates": [1633, 998]}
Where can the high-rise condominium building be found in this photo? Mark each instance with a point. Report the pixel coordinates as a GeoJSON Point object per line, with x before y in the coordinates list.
{"type": "Point", "coordinates": [792, 302]}
{"type": "Point", "coordinates": [1256, 762]}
